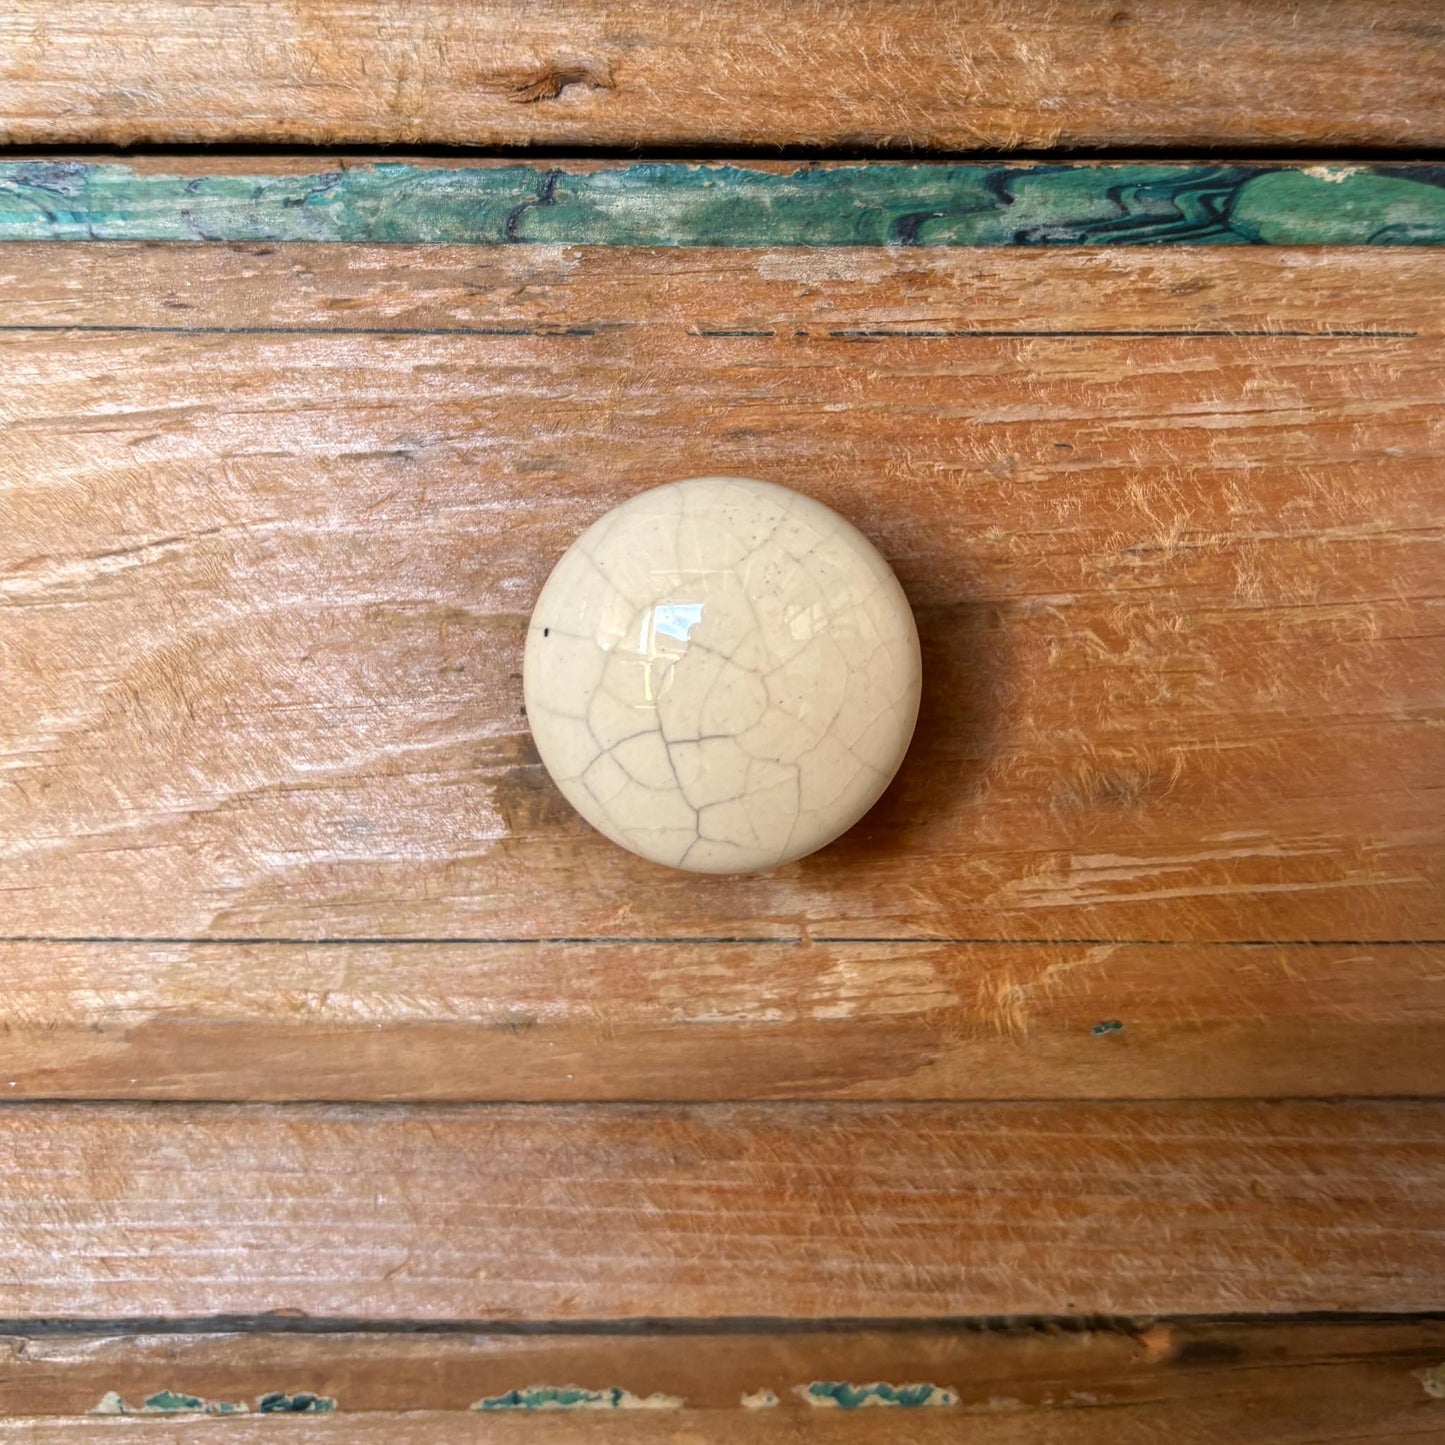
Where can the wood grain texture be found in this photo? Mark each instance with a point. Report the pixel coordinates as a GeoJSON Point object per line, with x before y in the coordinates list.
{"type": "Point", "coordinates": [795, 1212]}
{"type": "Point", "coordinates": [274, 519]}
{"type": "Point", "coordinates": [889, 73]}
{"type": "Point", "coordinates": [577, 1021]}
{"type": "Point", "coordinates": [1264, 1381]}
{"type": "Point", "coordinates": [1310, 1423]}
{"type": "Point", "coordinates": [649, 203]}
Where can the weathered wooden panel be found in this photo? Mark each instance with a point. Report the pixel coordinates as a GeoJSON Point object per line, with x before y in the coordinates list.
{"type": "Point", "coordinates": [271, 519]}
{"type": "Point", "coordinates": [266, 581]}
{"type": "Point", "coordinates": [955, 75]}
{"type": "Point", "coordinates": [843, 1212]}
{"type": "Point", "coordinates": [585, 1020]}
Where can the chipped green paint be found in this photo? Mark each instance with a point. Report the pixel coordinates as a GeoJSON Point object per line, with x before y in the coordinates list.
{"type": "Point", "coordinates": [170, 1402]}
{"type": "Point", "coordinates": [572, 1397]}
{"type": "Point", "coordinates": [166, 1402]}
{"type": "Point", "coordinates": [1401, 206]}
{"type": "Point", "coordinates": [1108, 1026]}
{"type": "Point", "coordinates": [839, 1394]}
{"type": "Point", "coordinates": [678, 204]}
{"type": "Point", "coordinates": [303, 1402]}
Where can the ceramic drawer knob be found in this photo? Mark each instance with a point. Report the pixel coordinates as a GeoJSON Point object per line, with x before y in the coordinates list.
{"type": "Point", "coordinates": [722, 675]}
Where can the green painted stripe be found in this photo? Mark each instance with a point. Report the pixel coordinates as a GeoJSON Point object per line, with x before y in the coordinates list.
{"type": "Point", "coordinates": [672, 204]}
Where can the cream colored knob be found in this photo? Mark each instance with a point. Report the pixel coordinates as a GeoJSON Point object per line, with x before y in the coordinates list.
{"type": "Point", "coordinates": [722, 675]}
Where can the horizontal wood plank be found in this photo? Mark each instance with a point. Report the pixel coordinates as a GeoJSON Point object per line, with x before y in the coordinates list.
{"type": "Point", "coordinates": [1258, 1381]}
{"type": "Point", "coordinates": [862, 293]}
{"type": "Point", "coordinates": [605, 1212]}
{"type": "Point", "coordinates": [575, 1021]}
{"type": "Point", "coordinates": [958, 75]}
{"type": "Point", "coordinates": [1317, 1425]}
{"type": "Point", "coordinates": [676, 204]}
{"type": "Point", "coordinates": [266, 574]}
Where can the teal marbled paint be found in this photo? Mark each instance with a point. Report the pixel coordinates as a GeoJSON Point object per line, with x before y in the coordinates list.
{"type": "Point", "coordinates": [847, 1396]}
{"type": "Point", "coordinates": [303, 1402]}
{"type": "Point", "coordinates": [676, 204]}
{"type": "Point", "coordinates": [573, 1397]}
{"type": "Point", "coordinates": [173, 1402]}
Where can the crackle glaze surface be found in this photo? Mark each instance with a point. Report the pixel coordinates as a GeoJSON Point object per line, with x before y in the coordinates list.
{"type": "Point", "coordinates": [722, 675]}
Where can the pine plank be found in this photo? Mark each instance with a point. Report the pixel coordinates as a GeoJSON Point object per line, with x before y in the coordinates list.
{"type": "Point", "coordinates": [791, 1212]}
{"type": "Point", "coordinates": [1259, 1382]}
{"type": "Point", "coordinates": [664, 292]}
{"type": "Point", "coordinates": [267, 573]}
{"type": "Point", "coordinates": [955, 76]}
{"type": "Point", "coordinates": [719, 1021]}
{"type": "Point", "coordinates": [1257, 1377]}
{"type": "Point", "coordinates": [1315, 1426]}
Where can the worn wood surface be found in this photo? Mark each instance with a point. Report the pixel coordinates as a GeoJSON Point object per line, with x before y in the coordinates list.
{"type": "Point", "coordinates": [955, 74]}
{"type": "Point", "coordinates": [560, 1021]}
{"type": "Point", "coordinates": [1244, 1381]}
{"type": "Point", "coordinates": [668, 203]}
{"type": "Point", "coordinates": [1305, 1422]}
{"type": "Point", "coordinates": [275, 519]}
{"type": "Point", "coordinates": [795, 1212]}
{"type": "Point", "coordinates": [671, 293]}
{"type": "Point", "coordinates": [888, 73]}
{"type": "Point", "coordinates": [272, 515]}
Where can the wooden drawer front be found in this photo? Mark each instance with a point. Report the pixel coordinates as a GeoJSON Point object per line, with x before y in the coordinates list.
{"type": "Point", "coordinates": [343, 1070]}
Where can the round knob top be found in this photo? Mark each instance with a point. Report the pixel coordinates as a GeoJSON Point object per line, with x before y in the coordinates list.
{"type": "Point", "coordinates": [722, 675]}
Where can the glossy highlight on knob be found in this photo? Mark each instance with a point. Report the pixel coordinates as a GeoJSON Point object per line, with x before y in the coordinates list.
{"type": "Point", "coordinates": [722, 675]}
